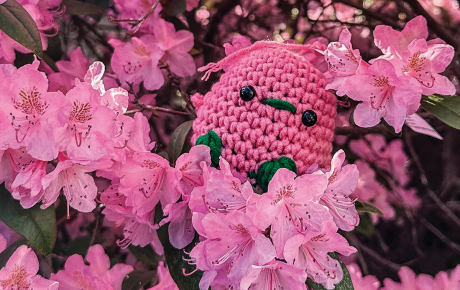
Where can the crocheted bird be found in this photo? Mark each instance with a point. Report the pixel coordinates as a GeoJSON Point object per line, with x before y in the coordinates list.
{"type": "Point", "coordinates": [268, 110]}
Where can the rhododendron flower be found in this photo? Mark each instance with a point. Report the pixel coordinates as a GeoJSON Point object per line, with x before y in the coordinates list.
{"type": "Point", "coordinates": [233, 242]}
{"type": "Point", "coordinates": [362, 283]}
{"type": "Point", "coordinates": [20, 272]}
{"type": "Point", "coordinates": [369, 190]}
{"type": "Point", "coordinates": [137, 61]}
{"type": "Point", "coordinates": [290, 206]}
{"type": "Point", "coordinates": [26, 186]}
{"type": "Point", "coordinates": [383, 95]}
{"type": "Point", "coordinates": [31, 111]}
{"type": "Point", "coordinates": [7, 46]}
{"type": "Point", "coordinates": [221, 191]}
{"type": "Point", "coordinates": [2, 243]}
{"type": "Point", "coordinates": [176, 46]}
{"type": "Point", "coordinates": [409, 281]}
{"type": "Point", "coordinates": [78, 186]}
{"type": "Point", "coordinates": [97, 275]}
{"type": "Point", "coordinates": [148, 179]}
{"type": "Point", "coordinates": [342, 181]}
{"type": "Point", "coordinates": [413, 56]}
{"type": "Point", "coordinates": [166, 281]}
{"type": "Point", "coordinates": [189, 165]}
{"type": "Point", "coordinates": [138, 230]}
{"type": "Point", "coordinates": [343, 61]}
{"type": "Point", "coordinates": [90, 125]}
{"type": "Point", "coordinates": [309, 252]}
{"type": "Point", "coordinates": [275, 275]}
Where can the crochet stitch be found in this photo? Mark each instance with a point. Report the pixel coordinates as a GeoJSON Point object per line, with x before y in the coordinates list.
{"type": "Point", "coordinates": [269, 126]}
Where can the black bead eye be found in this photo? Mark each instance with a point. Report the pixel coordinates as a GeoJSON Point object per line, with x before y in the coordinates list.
{"type": "Point", "coordinates": [247, 93]}
{"type": "Point", "coordinates": [309, 118]}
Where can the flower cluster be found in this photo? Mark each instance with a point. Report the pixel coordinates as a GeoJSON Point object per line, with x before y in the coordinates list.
{"type": "Point", "coordinates": [282, 236]}
{"type": "Point", "coordinates": [390, 86]}
{"type": "Point", "coordinates": [390, 163]}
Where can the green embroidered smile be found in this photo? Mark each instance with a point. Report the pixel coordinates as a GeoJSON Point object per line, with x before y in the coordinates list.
{"type": "Point", "coordinates": [280, 104]}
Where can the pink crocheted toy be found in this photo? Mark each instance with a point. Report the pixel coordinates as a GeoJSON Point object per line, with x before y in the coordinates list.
{"type": "Point", "coordinates": [269, 105]}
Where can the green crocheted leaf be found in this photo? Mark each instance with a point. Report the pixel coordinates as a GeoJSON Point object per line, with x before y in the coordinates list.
{"type": "Point", "coordinates": [212, 140]}
{"type": "Point", "coordinates": [268, 169]}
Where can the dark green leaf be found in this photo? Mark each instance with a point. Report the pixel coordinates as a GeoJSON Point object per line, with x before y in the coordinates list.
{"type": "Point", "coordinates": [16, 22]}
{"type": "Point", "coordinates": [365, 226]}
{"type": "Point", "coordinates": [345, 284]}
{"type": "Point", "coordinates": [49, 61]}
{"type": "Point", "coordinates": [74, 7]}
{"type": "Point", "coordinates": [145, 254]}
{"type": "Point", "coordinates": [365, 207]}
{"type": "Point", "coordinates": [445, 108]}
{"type": "Point", "coordinates": [175, 7]}
{"type": "Point", "coordinates": [390, 128]}
{"type": "Point", "coordinates": [79, 246]}
{"type": "Point", "coordinates": [38, 226]}
{"type": "Point", "coordinates": [6, 254]}
{"type": "Point", "coordinates": [174, 258]}
{"type": "Point", "coordinates": [176, 143]}
{"type": "Point", "coordinates": [137, 279]}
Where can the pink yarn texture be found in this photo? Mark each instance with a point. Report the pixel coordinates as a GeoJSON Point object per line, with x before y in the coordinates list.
{"type": "Point", "coordinates": [253, 132]}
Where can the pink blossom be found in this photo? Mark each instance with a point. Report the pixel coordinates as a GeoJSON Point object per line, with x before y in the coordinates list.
{"type": "Point", "coordinates": [189, 165]}
{"type": "Point", "coordinates": [31, 110]}
{"type": "Point", "coordinates": [97, 275]}
{"type": "Point", "coordinates": [291, 206]}
{"type": "Point", "coordinates": [233, 241]}
{"type": "Point", "coordinates": [409, 281]}
{"type": "Point", "coordinates": [2, 243]}
{"type": "Point", "coordinates": [78, 186]}
{"type": "Point", "coordinates": [238, 42]}
{"type": "Point", "coordinates": [395, 42]}
{"type": "Point", "coordinates": [180, 229]}
{"type": "Point", "coordinates": [275, 275]}
{"type": "Point", "coordinates": [343, 61]}
{"type": "Point", "coordinates": [7, 46]}
{"type": "Point", "coordinates": [342, 181]}
{"type": "Point", "coordinates": [139, 138]}
{"type": "Point", "coordinates": [166, 281]}
{"type": "Point", "coordinates": [413, 56]}
{"type": "Point", "coordinates": [26, 186]}
{"type": "Point", "coordinates": [137, 61]}
{"type": "Point", "coordinates": [148, 179]}
{"type": "Point", "coordinates": [383, 95]}
{"type": "Point", "coordinates": [362, 283]}
{"type": "Point", "coordinates": [137, 9]}
{"type": "Point", "coordinates": [309, 252]}
{"type": "Point", "coordinates": [221, 191]}
{"type": "Point", "coordinates": [90, 125]}
{"type": "Point", "coordinates": [138, 230]}
{"type": "Point", "coordinates": [20, 272]}
{"type": "Point", "coordinates": [370, 191]}
{"type": "Point", "coordinates": [176, 46]}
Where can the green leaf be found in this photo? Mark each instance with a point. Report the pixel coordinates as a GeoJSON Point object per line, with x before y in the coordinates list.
{"type": "Point", "coordinates": [74, 7]}
{"type": "Point", "coordinates": [345, 284]}
{"type": "Point", "coordinates": [16, 22]}
{"type": "Point", "coordinates": [6, 254]}
{"type": "Point", "coordinates": [137, 279]}
{"type": "Point", "coordinates": [38, 226]}
{"type": "Point", "coordinates": [365, 207]}
{"type": "Point", "coordinates": [365, 226]}
{"type": "Point", "coordinates": [445, 108]}
{"type": "Point", "coordinates": [175, 7]}
{"type": "Point", "coordinates": [145, 254]}
{"type": "Point", "coordinates": [174, 258]}
{"type": "Point", "coordinates": [176, 143]}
